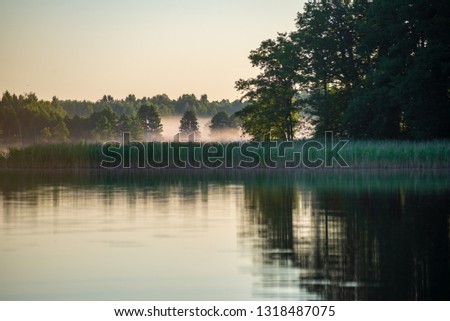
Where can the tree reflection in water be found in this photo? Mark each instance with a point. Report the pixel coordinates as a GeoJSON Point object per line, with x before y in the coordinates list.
{"type": "Point", "coordinates": [349, 237]}
{"type": "Point", "coordinates": [346, 235]}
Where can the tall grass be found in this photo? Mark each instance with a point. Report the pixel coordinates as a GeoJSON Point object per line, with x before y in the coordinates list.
{"type": "Point", "coordinates": [53, 156]}
{"type": "Point", "coordinates": [398, 154]}
{"type": "Point", "coordinates": [357, 154]}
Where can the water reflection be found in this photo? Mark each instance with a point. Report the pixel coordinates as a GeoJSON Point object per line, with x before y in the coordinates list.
{"type": "Point", "coordinates": [225, 235]}
{"type": "Point", "coordinates": [350, 237]}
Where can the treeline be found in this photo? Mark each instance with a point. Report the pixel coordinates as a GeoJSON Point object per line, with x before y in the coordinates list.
{"type": "Point", "coordinates": [25, 119]}
{"type": "Point", "coordinates": [365, 69]}
{"type": "Point", "coordinates": [164, 105]}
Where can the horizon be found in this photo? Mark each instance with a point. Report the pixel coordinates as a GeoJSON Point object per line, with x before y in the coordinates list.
{"type": "Point", "coordinates": [84, 50]}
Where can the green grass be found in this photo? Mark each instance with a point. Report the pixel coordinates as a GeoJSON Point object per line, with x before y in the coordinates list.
{"type": "Point", "coordinates": [53, 156]}
{"type": "Point", "coordinates": [398, 154]}
{"type": "Point", "coordinates": [358, 155]}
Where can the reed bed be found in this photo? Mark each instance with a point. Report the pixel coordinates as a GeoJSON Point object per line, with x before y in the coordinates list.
{"type": "Point", "coordinates": [357, 154]}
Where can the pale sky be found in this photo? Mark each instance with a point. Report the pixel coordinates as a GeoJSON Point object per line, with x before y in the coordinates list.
{"type": "Point", "coordinates": [87, 48]}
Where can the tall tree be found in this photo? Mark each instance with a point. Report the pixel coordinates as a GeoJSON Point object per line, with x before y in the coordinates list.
{"type": "Point", "coordinates": [60, 132]}
{"type": "Point", "coordinates": [123, 125]}
{"type": "Point", "coordinates": [273, 90]}
{"type": "Point", "coordinates": [220, 121]}
{"type": "Point", "coordinates": [406, 91]}
{"type": "Point", "coordinates": [259, 121]}
{"type": "Point", "coordinates": [150, 122]}
{"type": "Point", "coordinates": [104, 124]}
{"type": "Point", "coordinates": [223, 126]}
{"type": "Point", "coordinates": [189, 123]}
{"type": "Point", "coordinates": [25, 118]}
{"type": "Point", "coordinates": [326, 41]}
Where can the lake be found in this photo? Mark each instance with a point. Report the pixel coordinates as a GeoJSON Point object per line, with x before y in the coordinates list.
{"type": "Point", "coordinates": [224, 235]}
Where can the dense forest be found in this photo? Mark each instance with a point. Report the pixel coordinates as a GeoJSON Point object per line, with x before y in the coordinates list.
{"type": "Point", "coordinates": [363, 69]}
{"type": "Point", "coordinates": [25, 119]}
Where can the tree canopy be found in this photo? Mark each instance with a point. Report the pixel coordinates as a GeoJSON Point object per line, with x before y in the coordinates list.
{"type": "Point", "coordinates": [221, 121]}
{"type": "Point", "coordinates": [363, 69]}
{"type": "Point", "coordinates": [272, 92]}
{"type": "Point", "coordinates": [189, 124]}
{"type": "Point", "coordinates": [150, 122]}
{"type": "Point", "coordinates": [25, 119]}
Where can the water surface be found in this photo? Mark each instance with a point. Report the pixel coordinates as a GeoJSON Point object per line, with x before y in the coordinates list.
{"type": "Point", "coordinates": [224, 235]}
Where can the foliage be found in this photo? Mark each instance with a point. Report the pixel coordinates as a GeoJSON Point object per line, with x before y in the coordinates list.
{"type": "Point", "coordinates": [272, 91]}
{"type": "Point", "coordinates": [407, 85]}
{"type": "Point", "coordinates": [164, 105]}
{"type": "Point", "coordinates": [25, 119]}
{"type": "Point", "coordinates": [223, 127]}
{"type": "Point", "coordinates": [150, 122]}
{"type": "Point", "coordinates": [365, 154]}
{"type": "Point", "coordinates": [369, 69]}
{"type": "Point", "coordinates": [189, 124]}
{"type": "Point", "coordinates": [221, 121]}
{"type": "Point", "coordinates": [104, 123]}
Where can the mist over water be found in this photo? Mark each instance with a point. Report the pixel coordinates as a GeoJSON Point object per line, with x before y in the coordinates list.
{"type": "Point", "coordinates": [171, 128]}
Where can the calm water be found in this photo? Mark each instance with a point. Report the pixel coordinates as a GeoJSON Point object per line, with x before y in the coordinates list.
{"type": "Point", "coordinates": [224, 236]}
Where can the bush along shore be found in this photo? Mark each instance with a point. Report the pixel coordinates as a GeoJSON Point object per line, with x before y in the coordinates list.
{"type": "Point", "coordinates": [306, 154]}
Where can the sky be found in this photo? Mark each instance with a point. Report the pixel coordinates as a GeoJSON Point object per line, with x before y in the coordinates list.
{"type": "Point", "coordinates": [88, 48]}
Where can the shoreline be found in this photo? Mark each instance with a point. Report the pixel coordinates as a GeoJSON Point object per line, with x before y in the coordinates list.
{"type": "Point", "coordinates": [307, 155]}
{"type": "Point", "coordinates": [373, 170]}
